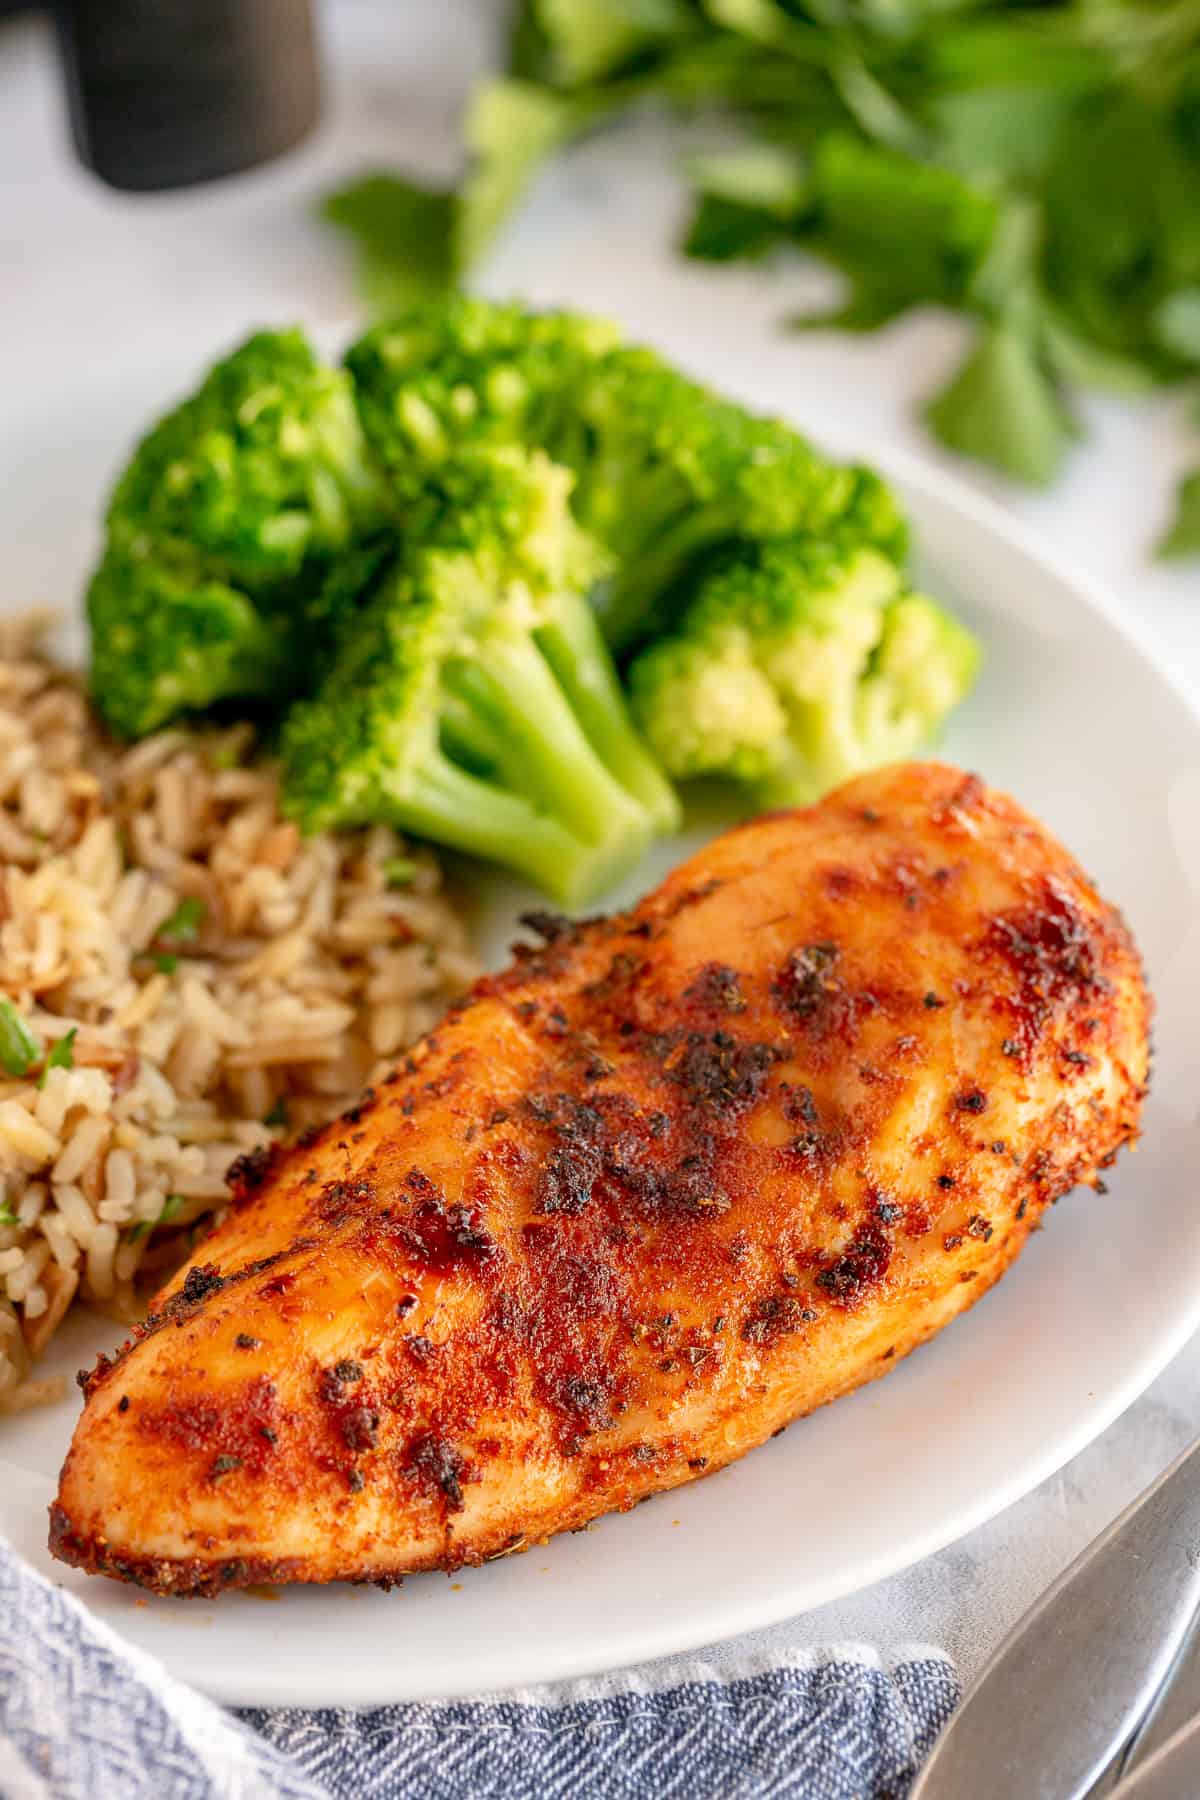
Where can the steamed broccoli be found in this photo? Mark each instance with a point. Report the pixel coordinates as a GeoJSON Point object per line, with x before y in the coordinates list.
{"type": "Point", "coordinates": [262, 469]}
{"type": "Point", "coordinates": [472, 700]}
{"type": "Point", "coordinates": [670, 470]}
{"type": "Point", "coordinates": [419, 564]}
{"type": "Point", "coordinates": [462, 372]}
{"type": "Point", "coordinates": [168, 639]}
{"type": "Point", "coordinates": [665, 468]}
{"type": "Point", "coordinates": [797, 665]}
{"type": "Point", "coordinates": [234, 505]}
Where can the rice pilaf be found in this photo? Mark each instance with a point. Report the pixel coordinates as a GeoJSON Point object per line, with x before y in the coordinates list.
{"type": "Point", "coordinates": [225, 980]}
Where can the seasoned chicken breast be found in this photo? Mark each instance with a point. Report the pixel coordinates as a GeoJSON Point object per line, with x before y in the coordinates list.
{"type": "Point", "coordinates": [673, 1179]}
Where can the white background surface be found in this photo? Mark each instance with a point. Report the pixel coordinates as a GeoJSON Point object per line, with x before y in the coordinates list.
{"type": "Point", "coordinates": [92, 282]}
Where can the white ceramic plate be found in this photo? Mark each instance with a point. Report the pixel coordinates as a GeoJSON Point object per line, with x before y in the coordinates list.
{"type": "Point", "coordinates": [1080, 724]}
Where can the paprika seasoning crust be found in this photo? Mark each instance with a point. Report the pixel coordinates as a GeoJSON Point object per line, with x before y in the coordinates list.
{"type": "Point", "coordinates": [668, 1182]}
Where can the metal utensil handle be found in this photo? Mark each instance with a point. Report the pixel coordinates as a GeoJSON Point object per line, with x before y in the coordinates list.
{"type": "Point", "coordinates": [1175, 1705]}
{"type": "Point", "coordinates": [1171, 1773]}
{"type": "Point", "coordinates": [1068, 1685]}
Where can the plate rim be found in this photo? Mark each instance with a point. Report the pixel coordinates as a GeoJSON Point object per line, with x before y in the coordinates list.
{"type": "Point", "coordinates": [653, 1644]}
{"type": "Point", "coordinates": [717, 1619]}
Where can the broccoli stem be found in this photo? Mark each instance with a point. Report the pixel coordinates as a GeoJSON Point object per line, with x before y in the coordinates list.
{"type": "Point", "coordinates": [512, 688]}
{"type": "Point", "coordinates": [576, 652]}
{"type": "Point", "coordinates": [474, 735]}
{"type": "Point", "coordinates": [639, 604]}
{"type": "Point", "coordinates": [445, 803]}
{"type": "Point", "coordinates": [468, 739]}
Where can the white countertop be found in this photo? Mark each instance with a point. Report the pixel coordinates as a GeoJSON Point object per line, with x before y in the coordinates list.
{"type": "Point", "coordinates": [92, 283]}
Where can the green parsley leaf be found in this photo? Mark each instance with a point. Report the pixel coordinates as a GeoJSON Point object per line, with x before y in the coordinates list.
{"type": "Point", "coordinates": [1005, 279]}
{"type": "Point", "coordinates": [1010, 131]}
{"type": "Point", "coordinates": [404, 234]}
{"type": "Point", "coordinates": [165, 963]}
{"type": "Point", "coordinates": [1177, 324]}
{"type": "Point", "coordinates": [279, 1118]}
{"type": "Point", "coordinates": [511, 128]}
{"type": "Point", "coordinates": [1080, 362]}
{"type": "Point", "coordinates": [1032, 167]}
{"type": "Point", "coordinates": [764, 178]}
{"type": "Point", "coordinates": [1012, 46]}
{"type": "Point", "coordinates": [865, 309]}
{"type": "Point", "coordinates": [722, 231]}
{"type": "Point", "coordinates": [8, 1217]}
{"type": "Point", "coordinates": [1004, 408]}
{"type": "Point", "coordinates": [185, 921]}
{"type": "Point", "coordinates": [529, 54]}
{"type": "Point", "coordinates": [61, 1056]}
{"type": "Point", "coordinates": [1122, 224]}
{"type": "Point", "coordinates": [415, 241]}
{"type": "Point", "coordinates": [763, 21]}
{"type": "Point", "coordinates": [587, 40]}
{"type": "Point", "coordinates": [1183, 538]}
{"type": "Point", "coordinates": [19, 1049]}
{"type": "Point", "coordinates": [748, 199]}
{"type": "Point", "coordinates": [875, 108]}
{"type": "Point", "coordinates": [904, 231]}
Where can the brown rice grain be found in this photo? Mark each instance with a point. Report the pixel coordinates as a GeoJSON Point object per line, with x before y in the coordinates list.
{"type": "Point", "coordinates": [306, 971]}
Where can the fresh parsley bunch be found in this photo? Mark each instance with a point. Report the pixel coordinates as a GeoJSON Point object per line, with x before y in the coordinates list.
{"type": "Point", "coordinates": [1033, 165]}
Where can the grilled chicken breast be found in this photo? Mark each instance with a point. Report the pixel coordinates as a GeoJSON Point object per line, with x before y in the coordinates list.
{"type": "Point", "coordinates": [673, 1179]}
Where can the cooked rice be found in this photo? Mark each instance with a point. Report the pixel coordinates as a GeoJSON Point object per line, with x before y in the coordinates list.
{"type": "Point", "coordinates": [306, 974]}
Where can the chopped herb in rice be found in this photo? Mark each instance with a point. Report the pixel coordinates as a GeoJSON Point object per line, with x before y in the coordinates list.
{"type": "Point", "coordinates": [185, 921]}
{"type": "Point", "coordinates": [61, 1056]}
{"type": "Point", "coordinates": [19, 1049]}
{"type": "Point", "coordinates": [173, 1205]}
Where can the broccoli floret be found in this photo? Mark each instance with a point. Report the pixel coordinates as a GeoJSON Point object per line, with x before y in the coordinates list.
{"type": "Point", "coordinates": [168, 639]}
{"type": "Point", "coordinates": [665, 469]}
{"type": "Point", "coordinates": [237, 501]}
{"type": "Point", "coordinates": [797, 665]}
{"type": "Point", "coordinates": [264, 468]}
{"type": "Point", "coordinates": [473, 701]}
{"type": "Point", "coordinates": [464, 372]}
{"type": "Point", "coordinates": [670, 470]}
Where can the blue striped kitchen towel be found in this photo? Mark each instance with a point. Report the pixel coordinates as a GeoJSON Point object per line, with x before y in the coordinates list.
{"type": "Point", "coordinates": [85, 1717]}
